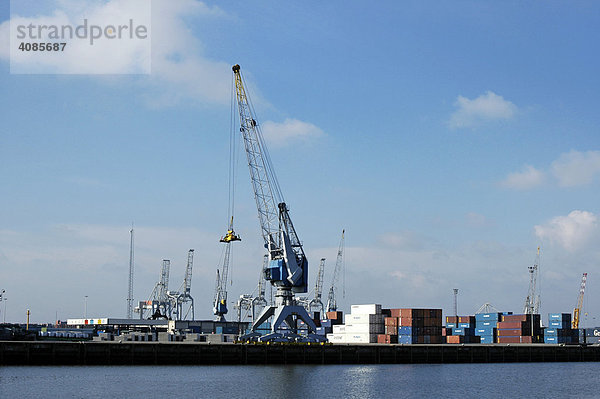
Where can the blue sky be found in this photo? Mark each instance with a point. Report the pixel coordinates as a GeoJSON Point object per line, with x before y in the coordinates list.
{"type": "Point", "coordinates": [449, 139]}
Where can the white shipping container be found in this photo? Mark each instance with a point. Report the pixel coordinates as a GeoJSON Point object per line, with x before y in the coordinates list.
{"type": "Point", "coordinates": [337, 338]}
{"type": "Point", "coordinates": [361, 338]}
{"type": "Point", "coordinates": [363, 318]}
{"type": "Point", "coordinates": [340, 328]}
{"type": "Point", "coordinates": [363, 328]}
{"type": "Point", "coordinates": [366, 309]}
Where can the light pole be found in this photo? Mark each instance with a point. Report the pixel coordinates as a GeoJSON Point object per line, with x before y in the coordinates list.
{"type": "Point", "coordinates": [85, 306]}
{"type": "Point", "coordinates": [3, 299]}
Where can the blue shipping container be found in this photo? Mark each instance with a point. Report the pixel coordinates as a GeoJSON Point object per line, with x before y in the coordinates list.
{"type": "Point", "coordinates": [463, 331]}
{"type": "Point", "coordinates": [464, 325]}
{"type": "Point", "coordinates": [485, 331]}
{"type": "Point", "coordinates": [450, 325]}
{"type": "Point", "coordinates": [487, 339]}
{"type": "Point", "coordinates": [559, 317]}
{"type": "Point", "coordinates": [402, 330]}
{"type": "Point", "coordinates": [559, 324]}
{"type": "Point", "coordinates": [405, 339]}
{"type": "Point", "coordinates": [482, 324]}
{"type": "Point", "coordinates": [487, 317]}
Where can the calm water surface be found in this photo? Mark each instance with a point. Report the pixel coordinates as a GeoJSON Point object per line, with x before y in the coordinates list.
{"type": "Point", "coordinates": [522, 380]}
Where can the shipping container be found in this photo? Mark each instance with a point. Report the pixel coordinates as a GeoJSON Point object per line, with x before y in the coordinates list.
{"type": "Point", "coordinates": [464, 325]}
{"type": "Point", "coordinates": [494, 317]}
{"type": "Point", "coordinates": [592, 332]}
{"type": "Point", "coordinates": [366, 309]}
{"type": "Point", "coordinates": [364, 328]}
{"type": "Point", "coordinates": [483, 324]}
{"type": "Point", "coordinates": [405, 330]}
{"type": "Point", "coordinates": [522, 317]}
{"type": "Point", "coordinates": [355, 318]}
{"type": "Point", "coordinates": [391, 321]}
{"type": "Point", "coordinates": [509, 332]}
{"type": "Point", "coordinates": [509, 340]}
{"type": "Point", "coordinates": [559, 317]}
{"type": "Point", "coordinates": [387, 339]}
{"type": "Point", "coordinates": [405, 339]}
{"type": "Point", "coordinates": [485, 331]}
{"type": "Point", "coordinates": [338, 329]}
{"type": "Point", "coordinates": [395, 313]}
{"type": "Point", "coordinates": [487, 339]}
{"type": "Point", "coordinates": [337, 316]}
{"type": "Point", "coordinates": [463, 331]}
{"type": "Point", "coordinates": [391, 330]}
{"type": "Point", "coordinates": [451, 325]}
{"type": "Point", "coordinates": [559, 324]}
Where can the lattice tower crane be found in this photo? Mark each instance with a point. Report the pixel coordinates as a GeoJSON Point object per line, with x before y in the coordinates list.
{"type": "Point", "coordinates": [220, 298]}
{"type": "Point", "coordinates": [532, 302]}
{"type": "Point", "coordinates": [316, 304]}
{"type": "Point", "coordinates": [182, 296]}
{"type": "Point", "coordinates": [331, 297]}
{"type": "Point", "coordinates": [288, 265]}
{"type": "Point", "coordinates": [577, 310]}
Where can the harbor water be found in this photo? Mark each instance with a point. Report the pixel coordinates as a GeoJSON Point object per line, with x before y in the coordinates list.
{"type": "Point", "coordinates": [532, 380]}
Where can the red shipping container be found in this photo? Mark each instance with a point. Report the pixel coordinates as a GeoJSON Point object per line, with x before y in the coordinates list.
{"type": "Point", "coordinates": [444, 331]}
{"type": "Point", "coordinates": [408, 313]}
{"type": "Point", "coordinates": [509, 333]}
{"type": "Point", "coordinates": [337, 315]}
{"type": "Point", "coordinates": [455, 339]}
{"type": "Point", "coordinates": [510, 324]}
{"type": "Point", "coordinates": [381, 338]}
{"type": "Point", "coordinates": [405, 322]}
{"type": "Point", "coordinates": [395, 313]}
{"type": "Point", "coordinates": [452, 319]}
{"type": "Point", "coordinates": [391, 330]}
{"type": "Point", "coordinates": [509, 340]}
{"type": "Point", "coordinates": [391, 321]}
{"type": "Point", "coordinates": [466, 319]}
{"type": "Point", "coordinates": [387, 339]}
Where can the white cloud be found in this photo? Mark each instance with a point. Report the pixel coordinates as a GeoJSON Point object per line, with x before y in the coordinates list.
{"type": "Point", "coordinates": [291, 130]}
{"type": "Point", "coordinates": [179, 69]}
{"type": "Point", "coordinates": [571, 232]}
{"type": "Point", "coordinates": [477, 220]}
{"type": "Point", "coordinates": [571, 169]}
{"type": "Point", "coordinates": [487, 107]}
{"type": "Point", "coordinates": [576, 168]}
{"type": "Point", "coordinates": [526, 178]}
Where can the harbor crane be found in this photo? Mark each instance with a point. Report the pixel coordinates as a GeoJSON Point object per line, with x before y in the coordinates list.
{"type": "Point", "coordinates": [182, 296]}
{"type": "Point", "coordinates": [532, 302]}
{"type": "Point", "coordinates": [220, 298]}
{"type": "Point", "coordinates": [331, 297]}
{"type": "Point", "coordinates": [159, 305]}
{"type": "Point", "coordinates": [316, 304]}
{"type": "Point", "coordinates": [577, 310]}
{"type": "Point", "coordinates": [288, 265]}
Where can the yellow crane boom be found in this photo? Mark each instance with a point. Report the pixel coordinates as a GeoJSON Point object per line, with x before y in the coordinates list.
{"type": "Point", "coordinates": [577, 310]}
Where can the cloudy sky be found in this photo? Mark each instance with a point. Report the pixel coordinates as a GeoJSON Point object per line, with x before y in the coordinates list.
{"type": "Point", "coordinates": [450, 140]}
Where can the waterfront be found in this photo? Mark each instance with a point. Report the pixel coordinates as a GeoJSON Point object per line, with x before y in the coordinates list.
{"type": "Point", "coordinates": [534, 380]}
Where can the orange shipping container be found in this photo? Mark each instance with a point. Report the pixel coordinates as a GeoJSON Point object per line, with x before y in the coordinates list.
{"type": "Point", "coordinates": [391, 321]}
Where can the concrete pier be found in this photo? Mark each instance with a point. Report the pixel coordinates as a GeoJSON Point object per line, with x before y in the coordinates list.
{"type": "Point", "coordinates": [179, 353]}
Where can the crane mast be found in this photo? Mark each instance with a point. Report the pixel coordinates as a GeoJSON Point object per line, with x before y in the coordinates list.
{"type": "Point", "coordinates": [288, 265]}
{"type": "Point", "coordinates": [577, 310]}
{"type": "Point", "coordinates": [331, 300]}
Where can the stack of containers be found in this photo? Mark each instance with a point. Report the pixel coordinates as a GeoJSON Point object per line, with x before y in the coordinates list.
{"type": "Point", "coordinates": [521, 328]}
{"type": "Point", "coordinates": [419, 326]}
{"type": "Point", "coordinates": [390, 325]}
{"type": "Point", "coordinates": [559, 330]}
{"type": "Point", "coordinates": [461, 330]}
{"type": "Point", "coordinates": [485, 326]}
{"type": "Point", "coordinates": [361, 326]}
{"type": "Point", "coordinates": [332, 319]}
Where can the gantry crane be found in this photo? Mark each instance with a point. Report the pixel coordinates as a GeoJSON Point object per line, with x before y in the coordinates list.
{"type": "Point", "coordinates": [159, 304]}
{"type": "Point", "coordinates": [331, 297]}
{"type": "Point", "coordinates": [532, 302]}
{"type": "Point", "coordinates": [577, 310]}
{"type": "Point", "coordinates": [288, 265]}
{"type": "Point", "coordinates": [220, 298]}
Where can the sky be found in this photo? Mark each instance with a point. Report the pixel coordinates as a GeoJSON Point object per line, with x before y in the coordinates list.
{"type": "Point", "coordinates": [449, 139]}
